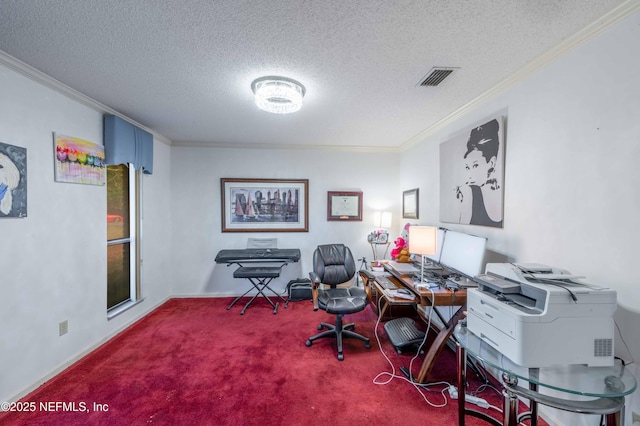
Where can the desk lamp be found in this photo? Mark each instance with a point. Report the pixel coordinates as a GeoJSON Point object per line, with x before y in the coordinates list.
{"type": "Point", "coordinates": [422, 241]}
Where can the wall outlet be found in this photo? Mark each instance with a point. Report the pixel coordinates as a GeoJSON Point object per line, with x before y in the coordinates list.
{"type": "Point", "coordinates": [635, 417]}
{"type": "Point", "coordinates": [63, 327]}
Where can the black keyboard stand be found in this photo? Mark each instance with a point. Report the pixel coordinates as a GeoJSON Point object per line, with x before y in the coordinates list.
{"type": "Point", "coordinates": [260, 277]}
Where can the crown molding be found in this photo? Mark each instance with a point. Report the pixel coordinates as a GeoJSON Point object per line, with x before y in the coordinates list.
{"type": "Point", "coordinates": [48, 81]}
{"type": "Point", "coordinates": [339, 148]}
{"type": "Point", "coordinates": [39, 77]}
{"type": "Point", "coordinates": [608, 20]}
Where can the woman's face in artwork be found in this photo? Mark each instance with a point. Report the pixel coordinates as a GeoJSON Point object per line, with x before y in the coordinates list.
{"type": "Point", "coordinates": [477, 168]}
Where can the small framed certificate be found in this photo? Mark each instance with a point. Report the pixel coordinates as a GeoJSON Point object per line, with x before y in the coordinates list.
{"type": "Point", "coordinates": [344, 206]}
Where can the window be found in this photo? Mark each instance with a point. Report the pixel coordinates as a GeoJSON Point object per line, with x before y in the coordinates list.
{"type": "Point", "coordinates": [122, 237]}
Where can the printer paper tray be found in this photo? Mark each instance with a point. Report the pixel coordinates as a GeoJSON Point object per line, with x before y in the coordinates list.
{"type": "Point", "coordinates": [556, 277]}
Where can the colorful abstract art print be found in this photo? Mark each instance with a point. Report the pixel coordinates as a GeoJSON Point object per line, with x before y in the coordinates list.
{"type": "Point", "coordinates": [78, 161]}
{"type": "Point", "coordinates": [13, 181]}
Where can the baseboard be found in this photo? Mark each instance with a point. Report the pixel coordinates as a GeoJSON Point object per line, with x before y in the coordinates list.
{"type": "Point", "coordinates": [209, 295]}
{"type": "Point", "coordinates": [85, 352]}
{"type": "Point", "coordinates": [106, 339]}
{"type": "Point", "coordinates": [205, 295]}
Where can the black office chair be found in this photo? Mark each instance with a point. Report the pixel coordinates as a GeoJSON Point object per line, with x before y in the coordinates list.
{"type": "Point", "coordinates": [333, 264]}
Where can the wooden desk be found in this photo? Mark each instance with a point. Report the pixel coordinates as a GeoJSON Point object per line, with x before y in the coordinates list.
{"type": "Point", "coordinates": [383, 303]}
{"type": "Point", "coordinates": [435, 297]}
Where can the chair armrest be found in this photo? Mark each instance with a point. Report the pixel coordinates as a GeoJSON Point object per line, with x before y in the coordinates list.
{"type": "Point", "coordinates": [315, 278]}
{"type": "Point", "coordinates": [315, 283]}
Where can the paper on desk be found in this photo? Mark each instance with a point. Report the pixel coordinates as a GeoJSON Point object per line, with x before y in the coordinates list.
{"type": "Point", "coordinates": [398, 295]}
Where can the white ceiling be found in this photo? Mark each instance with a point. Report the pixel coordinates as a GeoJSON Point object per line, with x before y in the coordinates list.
{"type": "Point", "coordinates": [183, 68]}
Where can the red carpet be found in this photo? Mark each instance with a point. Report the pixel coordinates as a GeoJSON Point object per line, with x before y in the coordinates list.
{"type": "Point", "coordinates": [192, 362]}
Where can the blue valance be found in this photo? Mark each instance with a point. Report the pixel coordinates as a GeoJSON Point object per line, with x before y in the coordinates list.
{"type": "Point", "coordinates": [125, 143]}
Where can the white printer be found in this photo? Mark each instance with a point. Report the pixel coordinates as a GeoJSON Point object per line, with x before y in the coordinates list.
{"type": "Point", "coordinates": [538, 316]}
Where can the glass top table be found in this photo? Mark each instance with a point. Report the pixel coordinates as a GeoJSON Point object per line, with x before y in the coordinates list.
{"type": "Point", "coordinates": [601, 390]}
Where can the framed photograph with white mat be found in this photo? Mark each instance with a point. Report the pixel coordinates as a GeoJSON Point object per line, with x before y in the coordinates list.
{"type": "Point", "coordinates": [264, 205]}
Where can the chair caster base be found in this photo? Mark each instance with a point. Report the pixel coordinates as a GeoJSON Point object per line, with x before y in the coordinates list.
{"type": "Point", "coordinates": [339, 332]}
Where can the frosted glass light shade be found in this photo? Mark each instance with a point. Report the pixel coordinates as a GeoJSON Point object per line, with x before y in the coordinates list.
{"type": "Point", "coordinates": [278, 95]}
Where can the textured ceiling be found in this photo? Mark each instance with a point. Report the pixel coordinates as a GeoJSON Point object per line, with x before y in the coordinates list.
{"type": "Point", "coordinates": [183, 68]}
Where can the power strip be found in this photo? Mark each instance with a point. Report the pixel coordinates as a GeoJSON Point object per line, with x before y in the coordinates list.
{"type": "Point", "coordinates": [453, 392]}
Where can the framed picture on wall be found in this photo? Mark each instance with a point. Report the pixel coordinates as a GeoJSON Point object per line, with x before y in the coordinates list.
{"type": "Point", "coordinates": [13, 181]}
{"type": "Point", "coordinates": [78, 161]}
{"type": "Point", "coordinates": [344, 206]}
{"type": "Point", "coordinates": [472, 174]}
{"type": "Point", "coordinates": [265, 205]}
{"type": "Point", "coordinates": [410, 204]}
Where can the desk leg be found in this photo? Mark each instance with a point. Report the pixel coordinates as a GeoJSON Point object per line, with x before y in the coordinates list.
{"type": "Point", "coordinates": [534, 373]}
{"type": "Point", "coordinates": [384, 305]}
{"type": "Point", "coordinates": [438, 344]}
{"type": "Point", "coordinates": [509, 408]}
{"type": "Point", "coordinates": [461, 355]}
{"type": "Point", "coordinates": [614, 419]}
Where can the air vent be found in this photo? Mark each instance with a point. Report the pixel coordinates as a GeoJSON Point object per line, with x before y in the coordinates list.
{"type": "Point", "coordinates": [436, 76]}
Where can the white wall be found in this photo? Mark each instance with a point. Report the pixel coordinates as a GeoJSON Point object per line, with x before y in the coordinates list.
{"type": "Point", "coordinates": [196, 174]}
{"type": "Point", "coordinates": [53, 262]}
{"type": "Point", "coordinates": [571, 200]}
{"type": "Point", "coordinates": [572, 181]}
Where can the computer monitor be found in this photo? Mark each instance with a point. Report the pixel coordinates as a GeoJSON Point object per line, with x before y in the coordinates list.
{"type": "Point", "coordinates": [440, 238]}
{"type": "Point", "coordinates": [463, 253]}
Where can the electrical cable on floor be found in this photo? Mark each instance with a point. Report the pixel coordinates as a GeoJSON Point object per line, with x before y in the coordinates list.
{"type": "Point", "coordinates": [423, 340]}
{"type": "Point", "coordinates": [392, 375]}
{"type": "Point", "coordinates": [418, 386]}
{"type": "Point", "coordinates": [484, 386]}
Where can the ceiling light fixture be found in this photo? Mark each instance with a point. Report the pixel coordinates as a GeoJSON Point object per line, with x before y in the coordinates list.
{"type": "Point", "coordinates": [279, 95]}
